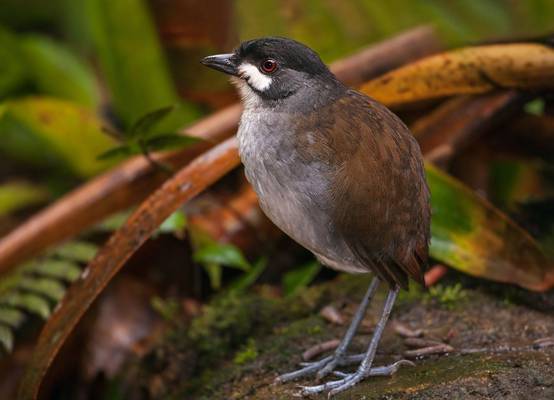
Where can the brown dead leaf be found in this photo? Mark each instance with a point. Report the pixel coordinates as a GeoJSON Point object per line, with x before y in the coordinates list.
{"type": "Point", "coordinates": [469, 70]}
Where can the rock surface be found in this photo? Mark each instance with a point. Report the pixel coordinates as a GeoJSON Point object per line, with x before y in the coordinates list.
{"type": "Point", "coordinates": [242, 342]}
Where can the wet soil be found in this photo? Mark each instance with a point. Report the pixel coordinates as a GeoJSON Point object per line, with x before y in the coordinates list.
{"type": "Point", "coordinates": [242, 342]}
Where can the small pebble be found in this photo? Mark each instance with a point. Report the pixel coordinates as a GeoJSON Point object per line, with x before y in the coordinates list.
{"type": "Point", "coordinates": [331, 314]}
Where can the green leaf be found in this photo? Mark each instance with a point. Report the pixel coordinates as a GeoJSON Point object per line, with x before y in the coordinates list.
{"type": "Point", "coordinates": [167, 308]}
{"type": "Point", "coordinates": [515, 181]}
{"type": "Point", "coordinates": [250, 277]}
{"type": "Point", "coordinates": [76, 251]}
{"type": "Point", "coordinates": [471, 235]}
{"type": "Point", "coordinates": [146, 124]}
{"type": "Point", "coordinates": [28, 302]}
{"type": "Point", "coordinates": [11, 317]}
{"type": "Point", "coordinates": [535, 107]}
{"type": "Point", "coordinates": [170, 142]}
{"type": "Point", "coordinates": [18, 195]}
{"type": "Point", "coordinates": [6, 338]}
{"type": "Point", "coordinates": [221, 254]}
{"type": "Point", "coordinates": [38, 285]}
{"type": "Point", "coordinates": [62, 269]}
{"type": "Point", "coordinates": [13, 73]}
{"type": "Point", "coordinates": [176, 223]}
{"type": "Point", "coordinates": [55, 71]}
{"type": "Point", "coordinates": [118, 152]}
{"type": "Point", "coordinates": [214, 274]}
{"type": "Point", "coordinates": [113, 222]}
{"type": "Point", "coordinates": [132, 60]}
{"type": "Point", "coordinates": [46, 132]}
{"type": "Point", "coordinates": [299, 278]}
{"type": "Point", "coordinates": [50, 288]}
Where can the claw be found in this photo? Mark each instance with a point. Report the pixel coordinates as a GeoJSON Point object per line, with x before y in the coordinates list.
{"type": "Point", "coordinates": [307, 370]}
{"type": "Point", "coordinates": [349, 380]}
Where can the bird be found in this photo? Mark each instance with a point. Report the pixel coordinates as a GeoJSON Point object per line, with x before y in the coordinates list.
{"type": "Point", "coordinates": [339, 173]}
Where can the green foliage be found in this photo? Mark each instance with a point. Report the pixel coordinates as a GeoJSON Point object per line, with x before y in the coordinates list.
{"type": "Point", "coordinates": [213, 256]}
{"type": "Point", "coordinates": [37, 286]}
{"type": "Point", "coordinates": [18, 195]}
{"type": "Point", "coordinates": [336, 27]}
{"type": "Point", "coordinates": [249, 277]}
{"type": "Point", "coordinates": [146, 135]}
{"type": "Point", "coordinates": [222, 254]}
{"type": "Point", "coordinates": [299, 278]}
{"type": "Point", "coordinates": [247, 353]}
{"type": "Point", "coordinates": [167, 308]}
{"type": "Point", "coordinates": [132, 60]}
{"type": "Point", "coordinates": [76, 251]}
{"type": "Point", "coordinates": [535, 107]}
{"type": "Point", "coordinates": [473, 236]}
{"type": "Point", "coordinates": [53, 133]}
{"type": "Point", "coordinates": [442, 295]}
{"type": "Point", "coordinates": [12, 69]}
{"type": "Point", "coordinates": [55, 71]}
{"type": "Point", "coordinates": [448, 296]}
{"type": "Point", "coordinates": [37, 64]}
{"type": "Point", "coordinates": [175, 223]}
{"type": "Point", "coordinates": [226, 322]}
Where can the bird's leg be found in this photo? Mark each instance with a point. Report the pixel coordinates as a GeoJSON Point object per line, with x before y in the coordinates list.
{"type": "Point", "coordinates": [364, 370]}
{"type": "Point", "coordinates": [327, 364]}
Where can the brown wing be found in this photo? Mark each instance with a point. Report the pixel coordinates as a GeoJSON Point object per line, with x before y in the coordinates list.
{"type": "Point", "coordinates": [379, 174]}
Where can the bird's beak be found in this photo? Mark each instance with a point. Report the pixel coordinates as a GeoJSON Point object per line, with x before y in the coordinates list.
{"type": "Point", "coordinates": [221, 62]}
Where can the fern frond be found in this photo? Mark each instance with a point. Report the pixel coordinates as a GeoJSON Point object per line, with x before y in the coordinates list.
{"type": "Point", "coordinates": [38, 285]}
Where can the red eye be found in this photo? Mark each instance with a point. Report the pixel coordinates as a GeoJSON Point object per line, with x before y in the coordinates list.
{"type": "Point", "coordinates": [268, 66]}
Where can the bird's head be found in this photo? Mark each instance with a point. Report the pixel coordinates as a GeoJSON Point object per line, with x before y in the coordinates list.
{"type": "Point", "coordinates": [271, 68]}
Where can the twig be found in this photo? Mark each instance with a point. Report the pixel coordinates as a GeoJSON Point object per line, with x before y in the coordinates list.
{"type": "Point", "coordinates": [382, 57]}
{"type": "Point", "coordinates": [406, 332]}
{"type": "Point", "coordinates": [442, 348]}
{"type": "Point", "coordinates": [419, 343]}
{"type": "Point", "coordinates": [320, 348]}
{"type": "Point", "coordinates": [544, 342]}
{"type": "Point", "coordinates": [431, 350]}
{"type": "Point", "coordinates": [458, 122]}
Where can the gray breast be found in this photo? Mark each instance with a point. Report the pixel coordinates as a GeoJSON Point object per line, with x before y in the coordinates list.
{"type": "Point", "coordinates": [292, 192]}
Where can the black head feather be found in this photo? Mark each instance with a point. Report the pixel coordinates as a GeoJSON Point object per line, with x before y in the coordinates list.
{"type": "Point", "coordinates": [289, 54]}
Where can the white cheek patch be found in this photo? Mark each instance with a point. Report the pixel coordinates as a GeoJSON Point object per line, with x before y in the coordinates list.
{"type": "Point", "coordinates": [254, 77]}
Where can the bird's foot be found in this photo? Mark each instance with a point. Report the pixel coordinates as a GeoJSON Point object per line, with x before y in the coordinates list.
{"type": "Point", "coordinates": [349, 380]}
{"type": "Point", "coordinates": [307, 369]}
{"type": "Point", "coordinates": [320, 368]}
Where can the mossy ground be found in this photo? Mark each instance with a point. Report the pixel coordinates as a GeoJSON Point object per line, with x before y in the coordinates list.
{"type": "Point", "coordinates": [240, 344]}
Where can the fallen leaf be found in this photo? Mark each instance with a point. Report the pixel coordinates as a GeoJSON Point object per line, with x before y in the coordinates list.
{"type": "Point", "coordinates": [468, 70]}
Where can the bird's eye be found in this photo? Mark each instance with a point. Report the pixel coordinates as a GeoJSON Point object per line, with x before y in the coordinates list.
{"type": "Point", "coordinates": [268, 66]}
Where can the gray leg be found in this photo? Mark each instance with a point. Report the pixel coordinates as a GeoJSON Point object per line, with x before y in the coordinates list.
{"type": "Point", "coordinates": [364, 370]}
{"type": "Point", "coordinates": [347, 339]}
{"type": "Point", "coordinates": [327, 364]}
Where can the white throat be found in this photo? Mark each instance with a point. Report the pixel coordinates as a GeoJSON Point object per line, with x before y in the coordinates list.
{"type": "Point", "coordinates": [251, 74]}
{"type": "Point", "coordinates": [251, 78]}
